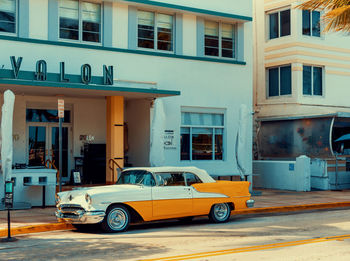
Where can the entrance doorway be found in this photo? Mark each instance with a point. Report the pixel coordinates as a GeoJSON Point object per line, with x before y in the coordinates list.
{"type": "Point", "coordinates": [43, 144]}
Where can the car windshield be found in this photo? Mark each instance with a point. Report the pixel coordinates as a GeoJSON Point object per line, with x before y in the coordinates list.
{"type": "Point", "coordinates": [137, 177]}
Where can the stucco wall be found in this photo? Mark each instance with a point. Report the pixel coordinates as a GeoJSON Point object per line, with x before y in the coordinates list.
{"type": "Point", "coordinates": [288, 175]}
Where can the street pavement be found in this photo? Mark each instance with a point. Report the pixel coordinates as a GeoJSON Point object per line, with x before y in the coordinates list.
{"type": "Point", "coordinates": [315, 235]}
{"type": "Point", "coordinates": [270, 201]}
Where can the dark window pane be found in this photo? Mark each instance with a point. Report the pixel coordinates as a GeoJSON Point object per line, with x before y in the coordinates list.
{"type": "Point", "coordinates": [227, 53]}
{"type": "Point", "coordinates": [146, 33]}
{"type": "Point", "coordinates": [286, 80]}
{"type": "Point", "coordinates": [7, 16]}
{"type": "Point", "coordinates": [306, 22]}
{"type": "Point", "coordinates": [69, 34]}
{"type": "Point", "coordinates": [7, 27]}
{"type": "Point", "coordinates": [315, 23]}
{"type": "Point", "coordinates": [38, 115]}
{"type": "Point", "coordinates": [212, 51]}
{"type": "Point", "coordinates": [218, 146]}
{"type": "Point", "coordinates": [164, 40]}
{"type": "Point", "coordinates": [67, 23]}
{"type": "Point", "coordinates": [227, 43]}
{"type": "Point", "coordinates": [145, 43]}
{"type": "Point", "coordinates": [317, 75]}
{"type": "Point", "coordinates": [185, 144]}
{"type": "Point", "coordinates": [273, 82]}
{"type": "Point", "coordinates": [37, 147]}
{"type": "Point", "coordinates": [91, 27]}
{"type": "Point", "coordinates": [307, 80]}
{"type": "Point", "coordinates": [273, 25]}
{"type": "Point", "coordinates": [285, 23]}
{"type": "Point", "coordinates": [91, 37]}
{"type": "Point", "coordinates": [211, 41]}
{"type": "Point", "coordinates": [202, 146]}
{"type": "Point", "coordinates": [146, 36]}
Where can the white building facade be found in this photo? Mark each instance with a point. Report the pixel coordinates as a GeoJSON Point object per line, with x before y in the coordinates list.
{"type": "Point", "coordinates": [110, 61]}
{"type": "Point", "coordinates": [301, 79]}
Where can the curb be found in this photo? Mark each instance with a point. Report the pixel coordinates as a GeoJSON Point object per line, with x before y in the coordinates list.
{"type": "Point", "coordinates": [281, 209]}
{"type": "Point", "coordinates": [36, 229]}
{"type": "Point", "coordinates": [292, 208]}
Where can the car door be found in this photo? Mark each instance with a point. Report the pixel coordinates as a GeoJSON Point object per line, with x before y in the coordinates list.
{"type": "Point", "coordinates": [171, 197]}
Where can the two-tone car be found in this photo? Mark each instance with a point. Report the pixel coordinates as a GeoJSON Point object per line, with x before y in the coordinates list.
{"type": "Point", "coordinates": [153, 193]}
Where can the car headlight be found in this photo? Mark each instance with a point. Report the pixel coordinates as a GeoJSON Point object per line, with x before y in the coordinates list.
{"type": "Point", "coordinates": [57, 199]}
{"type": "Point", "coordinates": [88, 198]}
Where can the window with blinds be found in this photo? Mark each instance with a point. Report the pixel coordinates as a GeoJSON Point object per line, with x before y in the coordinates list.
{"type": "Point", "coordinates": [202, 136]}
{"type": "Point", "coordinates": [80, 21]}
{"type": "Point", "coordinates": [219, 39]}
{"type": "Point", "coordinates": [8, 16]}
{"type": "Point", "coordinates": [155, 31]}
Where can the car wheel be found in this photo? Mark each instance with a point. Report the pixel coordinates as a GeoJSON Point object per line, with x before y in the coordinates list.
{"type": "Point", "coordinates": [117, 219]}
{"type": "Point", "coordinates": [220, 213]}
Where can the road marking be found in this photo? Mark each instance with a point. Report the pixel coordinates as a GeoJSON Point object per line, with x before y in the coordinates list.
{"type": "Point", "coordinates": [252, 248]}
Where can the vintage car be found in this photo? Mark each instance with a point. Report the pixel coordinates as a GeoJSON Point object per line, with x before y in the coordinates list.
{"type": "Point", "coordinates": [154, 193]}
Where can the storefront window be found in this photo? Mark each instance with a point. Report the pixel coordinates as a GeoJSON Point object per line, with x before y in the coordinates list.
{"type": "Point", "coordinates": [38, 115]}
{"type": "Point", "coordinates": [202, 136]}
{"type": "Point", "coordinates": [155, 31]}
{"type": "Point", "coordinates": [8, 16]}
{"type": "Point", "coordinates": [80, 20]}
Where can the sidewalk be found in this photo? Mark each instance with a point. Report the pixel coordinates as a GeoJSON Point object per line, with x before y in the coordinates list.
{"type": "Point", "coordinates": [270, 201]}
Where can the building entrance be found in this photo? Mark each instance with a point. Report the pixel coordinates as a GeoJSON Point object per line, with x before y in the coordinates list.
{"type": "Point", "coordinates": [43, 144]}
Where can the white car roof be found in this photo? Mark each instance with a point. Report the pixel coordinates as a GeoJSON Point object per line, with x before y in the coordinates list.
{"type": "Point", "coordinates": [201, 173]}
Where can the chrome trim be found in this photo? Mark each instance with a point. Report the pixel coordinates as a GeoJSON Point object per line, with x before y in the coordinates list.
{"type": "Point", "coordinates": [79, 216]}
{"type": "Point", "coordinates": [250, 203]}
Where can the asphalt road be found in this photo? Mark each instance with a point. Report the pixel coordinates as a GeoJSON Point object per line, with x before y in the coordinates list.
{"type": "Point", "coordinates": [318, 235]}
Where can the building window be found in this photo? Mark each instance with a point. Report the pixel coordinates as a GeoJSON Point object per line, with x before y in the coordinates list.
{"type": "Point", "coordinates": [202, 136]}
{"type": "Point", "coordinates": [279, 24]}
{"type": "Point", "coordinates": [80, 21]}
{"type": "Point", "coordinates": [280, 81]}
{"type": "Point", "coordinates": [311, 23]}
{"type": "Point", "coordinates": [219, 39]}
{"type": "Point", "coordinates": [312, 80]}
{"type": "Point", "coordinates": [155, 31]}
{"type": "Point", "coordinates": [8, 17]}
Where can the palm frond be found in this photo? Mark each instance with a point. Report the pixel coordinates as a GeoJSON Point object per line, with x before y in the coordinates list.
{"type": "Point", "coordinates": [336, 16]}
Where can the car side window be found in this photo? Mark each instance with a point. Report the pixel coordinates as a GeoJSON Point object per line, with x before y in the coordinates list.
{"type": "Point", "coordinates": [170, 179]}
{"type": "Point", "coordinates": [191, 179]}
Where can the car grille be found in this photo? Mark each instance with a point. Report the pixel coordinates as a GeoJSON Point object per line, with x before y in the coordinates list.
{"type": "Point", "coordinates": [71, 208]}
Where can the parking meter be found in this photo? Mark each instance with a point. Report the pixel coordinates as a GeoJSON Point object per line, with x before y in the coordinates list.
{"type": "Point", "coordinates": [9, 194]}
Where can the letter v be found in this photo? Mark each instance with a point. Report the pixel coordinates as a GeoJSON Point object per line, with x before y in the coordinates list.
{"type": "Point", "coordinates": [16, 65]}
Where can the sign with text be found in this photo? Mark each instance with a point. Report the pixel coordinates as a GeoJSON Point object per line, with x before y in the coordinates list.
{"type": "Point", "coordinates": [169, 139]}
{"type": "Point", "coordinates": [60, 108]}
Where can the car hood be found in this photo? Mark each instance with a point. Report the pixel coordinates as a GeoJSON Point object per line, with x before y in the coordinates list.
{"type": "Point", "coordinates": [98, 190]}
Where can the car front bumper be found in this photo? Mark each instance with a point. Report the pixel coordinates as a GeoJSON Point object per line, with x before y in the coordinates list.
{"type": "Point", "coordinates": [250, 203]}
{"type": "Point", "coordinates": [80, 216]}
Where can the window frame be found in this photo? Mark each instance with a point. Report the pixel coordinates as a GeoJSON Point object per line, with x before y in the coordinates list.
{"type": "Point", "coordinates": [80, 30]}
{"type": "Point", "coordinates": [16, 21]}
{"type": "Point", "coordinates": [155, 38]}
{"type": "Point", "coordinates": [279, 81]}
{"type": "Point", "coordinates": [312, 81]}
{"type": "Point", "coordinates": [235, 36]}
{"type": "Point", "coordinates": [213, 133]}
{"type": "Point", "coordinates": [310, 22]}
{"type": "Point", "coordinates": [278, 11]}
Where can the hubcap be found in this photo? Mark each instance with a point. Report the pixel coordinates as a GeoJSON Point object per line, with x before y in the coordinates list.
{"type": "Point", "coordinates": [221, 211]}
{"type": "Point", "coordinates": [117, 219]}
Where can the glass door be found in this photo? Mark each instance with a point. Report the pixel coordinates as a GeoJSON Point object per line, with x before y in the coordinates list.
{"type": "Point", "coordinates": [54, 150]}
{"type": "Point", "coordinates": [43, 144]}
{"type": "Point", "coordinates": [37, 139]}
